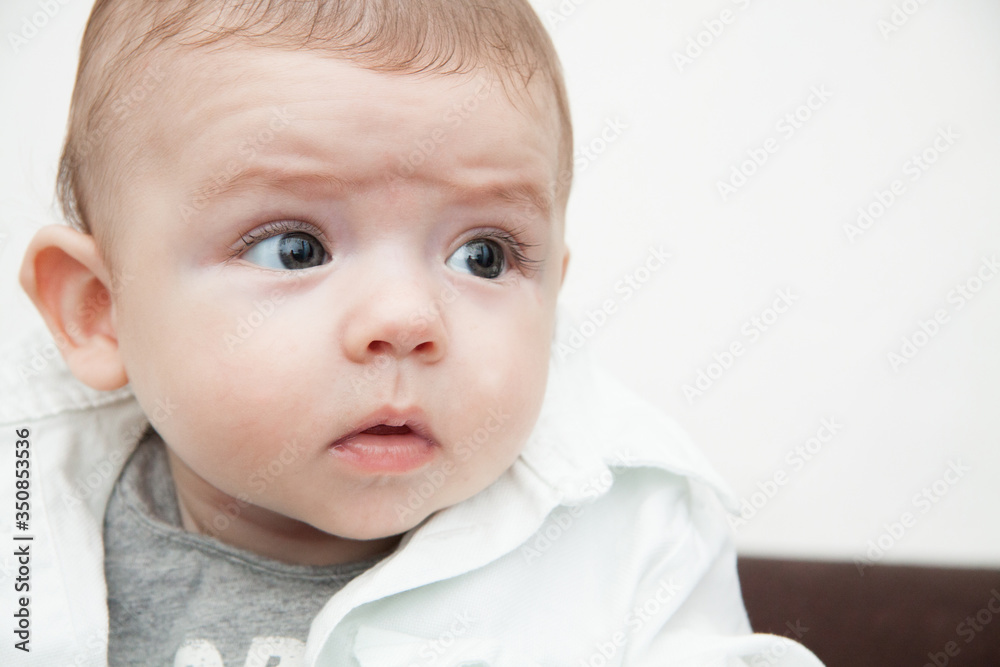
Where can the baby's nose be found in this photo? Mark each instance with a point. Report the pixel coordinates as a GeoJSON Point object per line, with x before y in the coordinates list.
{"type": "Point", "coordinates": [399, 318]}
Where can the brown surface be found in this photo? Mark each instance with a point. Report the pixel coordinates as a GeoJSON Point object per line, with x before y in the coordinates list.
{"type": "Point", "coordinates": [891, 615]}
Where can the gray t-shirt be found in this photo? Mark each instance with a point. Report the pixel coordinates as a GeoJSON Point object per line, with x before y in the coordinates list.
{"type": "Point", "coordinates": [179, 598]}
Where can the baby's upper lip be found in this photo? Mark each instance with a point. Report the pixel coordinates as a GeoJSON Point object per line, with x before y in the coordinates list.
{"type": "Point", "coordinates": [411, 417]}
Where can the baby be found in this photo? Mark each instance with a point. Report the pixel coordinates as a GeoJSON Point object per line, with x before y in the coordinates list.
{"type": "Point", "coordinates": [322, 243]}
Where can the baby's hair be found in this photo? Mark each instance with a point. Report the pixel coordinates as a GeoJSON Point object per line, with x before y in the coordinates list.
{"type": "Point", "coordinates": [401, 36]}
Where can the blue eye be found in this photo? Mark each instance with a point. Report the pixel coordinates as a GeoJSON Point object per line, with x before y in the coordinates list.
{"type": "Point", "coordinates": [291, 252]}
{"type": "Point", "coordinates": [483, 258]}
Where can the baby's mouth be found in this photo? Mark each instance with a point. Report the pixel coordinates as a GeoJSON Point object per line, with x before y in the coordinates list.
{"type": "Point", "coordinates": [397, 447]}
{"type": "Point", "coordinates": [382, 429]}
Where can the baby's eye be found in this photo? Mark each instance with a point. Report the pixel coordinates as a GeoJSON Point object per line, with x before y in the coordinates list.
{"type": "Point", "coordinates": [480, 257]}
{"type": "Point", "coordinates": [296, 250]}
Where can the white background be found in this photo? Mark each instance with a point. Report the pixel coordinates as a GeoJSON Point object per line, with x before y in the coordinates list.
{"type": "Point", "coordinates": [683, 127]}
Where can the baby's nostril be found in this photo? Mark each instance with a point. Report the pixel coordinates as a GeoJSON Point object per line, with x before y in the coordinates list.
{"type": "Point", "coordinates": [378, 347]}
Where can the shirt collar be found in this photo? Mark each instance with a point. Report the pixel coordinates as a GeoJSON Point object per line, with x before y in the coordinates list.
{"type": "Point", "coordinates": [591, 424]}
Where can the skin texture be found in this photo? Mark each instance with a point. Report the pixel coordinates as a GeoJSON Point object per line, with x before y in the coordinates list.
{"type": "Point", "coordinates": [251, 373]}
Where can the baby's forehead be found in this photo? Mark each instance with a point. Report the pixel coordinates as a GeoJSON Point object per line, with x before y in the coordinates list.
{"type": "Point", "coordinates": [325, 95]}
{"type": "Point", "coordinates": [227, 123]}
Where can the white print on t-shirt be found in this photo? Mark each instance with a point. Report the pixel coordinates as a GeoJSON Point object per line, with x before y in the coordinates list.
{"type": "Point", "coordinates": [202, 653]}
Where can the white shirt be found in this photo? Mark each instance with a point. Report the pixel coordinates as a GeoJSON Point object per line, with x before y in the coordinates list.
{"type": "Point", "coordinates": [605, 544]}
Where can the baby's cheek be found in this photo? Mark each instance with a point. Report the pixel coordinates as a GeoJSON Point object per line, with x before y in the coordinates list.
{"type": "Point", "coordinates": [507, 412]}
{"type": "Point", "coordinates": [213, 404]}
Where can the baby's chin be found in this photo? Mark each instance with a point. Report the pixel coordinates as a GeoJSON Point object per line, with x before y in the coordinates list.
{"type": "Point", "coordinates": [390, 521]}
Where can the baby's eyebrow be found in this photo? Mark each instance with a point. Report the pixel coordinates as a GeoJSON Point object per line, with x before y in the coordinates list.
{"type": "Point", "coordinates": [274, 178]}
{"type": "Point", "coordinates": [524, 194]}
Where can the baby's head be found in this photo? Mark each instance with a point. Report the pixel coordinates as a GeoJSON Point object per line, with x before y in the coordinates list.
{"type": "Point", "coordinates": [322, 242]}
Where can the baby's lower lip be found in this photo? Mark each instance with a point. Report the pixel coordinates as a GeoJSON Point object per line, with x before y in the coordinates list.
{"type": "Point", "coordinates": [393, 453]}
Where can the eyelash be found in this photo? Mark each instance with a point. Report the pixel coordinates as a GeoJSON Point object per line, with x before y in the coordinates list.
{"type": "Point", "coordinates": [515, 247]}
{"type": "Point", "coordinates": [258, 234]}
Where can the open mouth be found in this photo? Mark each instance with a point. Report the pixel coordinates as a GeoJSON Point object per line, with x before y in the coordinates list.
{"type": "Point", "coordinates": [399, 446]}
{"type": "Point", "coordinates": [382, 429]}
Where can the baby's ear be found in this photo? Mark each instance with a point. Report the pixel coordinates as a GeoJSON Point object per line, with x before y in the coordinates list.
{"type": "Point", "coordinates": [66, 279]}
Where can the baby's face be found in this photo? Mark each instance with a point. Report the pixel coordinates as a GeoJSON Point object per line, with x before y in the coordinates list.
{"type": "Point", "coordinates": [342, 284]}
